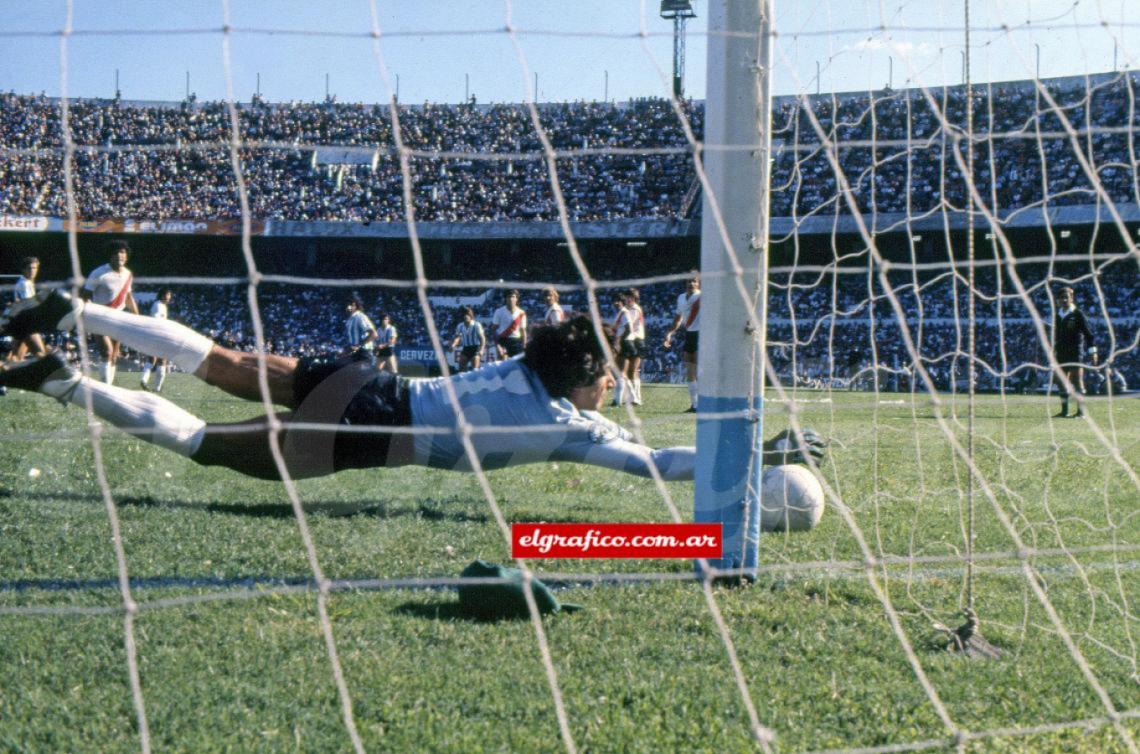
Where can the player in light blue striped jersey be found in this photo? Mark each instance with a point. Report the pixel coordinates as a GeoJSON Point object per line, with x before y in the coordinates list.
{"type": "Point", "coordinates": [360, 331]}
{"type": "Point", "coordinates": [386, 352]}
{"type": "Point", "coordinates": [470, 340]}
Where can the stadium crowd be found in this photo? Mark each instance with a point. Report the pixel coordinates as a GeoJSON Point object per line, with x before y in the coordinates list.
{"type": "Point", "coordinates": [480, 163]}
{"type": "Point", "coordinates": [173, 162]}
{"type": "Point", "coordinates": [900, 153]}
{"type": "Point", "coordinates": [857, 340]}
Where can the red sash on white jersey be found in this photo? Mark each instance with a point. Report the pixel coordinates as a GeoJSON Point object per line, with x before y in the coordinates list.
{"type": "Point", "coordinates": [121, 297]}
{"type": "Point", "coordinates": [514, 326]}
{"type": "Point", "coordinates": [694, 310]}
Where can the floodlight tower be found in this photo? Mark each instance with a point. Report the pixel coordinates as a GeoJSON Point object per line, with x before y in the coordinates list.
{"type": "Point", "coordinates": [679, 11]}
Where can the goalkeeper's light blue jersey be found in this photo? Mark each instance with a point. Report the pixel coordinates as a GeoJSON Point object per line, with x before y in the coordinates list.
{"type": "Point", "coordinates": [526, 425]}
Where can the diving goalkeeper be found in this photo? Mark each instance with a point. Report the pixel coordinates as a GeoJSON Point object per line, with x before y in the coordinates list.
{"type": "Point", "coordinates": [542, 406]}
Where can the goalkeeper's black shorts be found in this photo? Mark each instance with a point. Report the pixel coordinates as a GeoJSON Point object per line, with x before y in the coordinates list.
{"type": "Point", "coordinates": [352, 392]}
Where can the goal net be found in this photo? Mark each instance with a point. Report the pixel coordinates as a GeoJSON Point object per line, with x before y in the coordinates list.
{"type": "Point", "coordinates": [882, 264]}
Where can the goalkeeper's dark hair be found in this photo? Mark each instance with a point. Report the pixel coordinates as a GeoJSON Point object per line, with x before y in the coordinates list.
{"type": "Point", "coordinates": [567, 356]}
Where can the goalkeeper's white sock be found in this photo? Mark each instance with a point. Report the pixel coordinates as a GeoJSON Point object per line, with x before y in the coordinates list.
{"type": "Point", "coordinates": [146, 375]}
{"type": "Point", "coordinates": [108, 372]}
{"type": "Point", "coordinates": [693, 393]}
{"type": "Point", "coordinates": [637, 390]}
{"type": "Point", "coordinates": [150, 335]}
{"type": "Point", "coordinates": [161, 377]}
{"type": "Point", "coordinates": [144, 415]}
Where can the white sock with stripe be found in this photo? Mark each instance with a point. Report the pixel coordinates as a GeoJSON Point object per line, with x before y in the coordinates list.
{"type": "Point", "coordinates": [144, 415]}
{"type": "Point", "coordinates": [150, 335]}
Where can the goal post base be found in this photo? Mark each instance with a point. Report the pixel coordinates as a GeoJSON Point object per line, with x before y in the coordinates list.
{"type": "Point", "coordinates": [727, 484]}
{"type": "Point", "coordinates": [968, 641]}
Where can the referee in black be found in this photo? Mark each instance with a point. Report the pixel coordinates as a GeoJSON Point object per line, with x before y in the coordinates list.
{"type": "Point", "coordinates": [1071, 333]}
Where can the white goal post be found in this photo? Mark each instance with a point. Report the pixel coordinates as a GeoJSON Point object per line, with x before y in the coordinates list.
{"type": "Point", "coordinates": [734, 273]}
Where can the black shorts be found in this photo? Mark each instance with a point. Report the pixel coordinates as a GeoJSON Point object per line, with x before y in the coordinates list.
{"type": "Point", "coordinates": [513, 346]}
{"type": "Point", "coordinates": [691, 341]}
{"type": "Point", "coordinates": [352, 392]}
{"type": "Point", "coordinates": [632, 349]}
{"type": "Point", "coordinates": [1067, 357]}
{"type": "Point", "coordinates": [385, 352]}
{"type": "Point", "coordinates": [470, 352]}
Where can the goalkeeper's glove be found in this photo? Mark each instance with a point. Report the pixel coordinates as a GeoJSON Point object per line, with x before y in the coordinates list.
{"type": "Point", "coordinates": [785, 448]}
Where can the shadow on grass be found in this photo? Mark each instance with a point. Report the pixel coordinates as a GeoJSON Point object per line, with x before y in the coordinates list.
{"type": "Point", "coordinates": [380, 509]}
{"type": "Point", "coordinates": [333, 509]}
{"type": "Point", "coordinates": [446, 611]}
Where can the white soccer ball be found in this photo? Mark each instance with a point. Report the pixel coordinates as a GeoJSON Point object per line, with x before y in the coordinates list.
{"type": "Point", "coordinates": [791, 499]}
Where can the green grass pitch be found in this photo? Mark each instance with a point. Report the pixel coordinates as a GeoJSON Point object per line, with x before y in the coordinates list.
{"type": "Point", "coordinates": [643, 668]}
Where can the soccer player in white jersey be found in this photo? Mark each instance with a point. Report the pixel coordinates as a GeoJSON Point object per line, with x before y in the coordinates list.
{"type": "Point", "coordinates": [25, 288]}
{"type": "Point", "coordinates": [689, 318]}
{"type": "Point", "coordinates": [509, 326]}
{"type": "Point", "coordinates": [619, 324]}
{"type": "Point", "coordinates": [470, 340]}
{"type": "Point", "coordinates": [359, 330]}
{"type": "Point", "coordinates": [110, 285]}
{"type": "Point", "coordinates": [157, 366]}
{"type": "Point", "coordinates": [554, 313]}
{"type": "Point", "coordinates": [559, 384]}
{"type": "Point", "coordinates": [633, 344]}
{"type": "Point", "coordinates": [386, 353]}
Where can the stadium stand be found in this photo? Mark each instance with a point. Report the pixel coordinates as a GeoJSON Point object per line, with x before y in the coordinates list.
{"type": "Point", "coordinates": [186, 171]}
{"type": "Point", "coordinates": [166, 160]}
